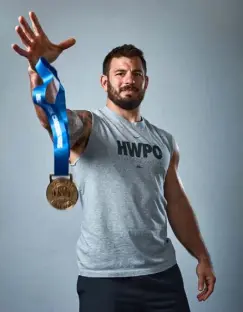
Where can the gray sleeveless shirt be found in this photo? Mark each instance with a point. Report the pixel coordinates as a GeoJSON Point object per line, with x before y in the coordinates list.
{"type": "Point", "coordinates": [120, 177]}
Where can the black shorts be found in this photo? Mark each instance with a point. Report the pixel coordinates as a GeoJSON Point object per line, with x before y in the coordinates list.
{"type": "Point", "coordinates": [160, 292]}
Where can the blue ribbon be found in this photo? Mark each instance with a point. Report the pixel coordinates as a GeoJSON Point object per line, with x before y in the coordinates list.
{"type": "Point", "coordinates": [56, 114]}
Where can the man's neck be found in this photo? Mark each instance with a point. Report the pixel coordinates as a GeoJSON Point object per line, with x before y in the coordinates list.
{"type": "Point", "coordinates": [130, 115]}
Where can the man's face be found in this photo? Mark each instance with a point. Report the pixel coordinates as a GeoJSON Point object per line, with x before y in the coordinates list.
{"type": "Point", "coordinates": [126, 83]}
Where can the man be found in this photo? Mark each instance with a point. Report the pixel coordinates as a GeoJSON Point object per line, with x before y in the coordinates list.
{"type": "Point", "coordinates": [126, 172]}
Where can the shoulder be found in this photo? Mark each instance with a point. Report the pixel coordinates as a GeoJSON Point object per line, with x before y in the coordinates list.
{"type": "Point", "coordinates": [154, 127]}
{"type": "Point", "coordinates": [92, 114]}
{"type": "Point", "coordinates": [172, 147]}
{"type": "Point", "coordinates": [83, 114]}
{"type": "Point", "coordinates": [76, 116]}
{"type": "Point", "coordinates": [166, 136]}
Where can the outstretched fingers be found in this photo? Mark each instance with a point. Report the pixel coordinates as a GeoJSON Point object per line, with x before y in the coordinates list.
{"type": "Point", "coordinates": [26, 28]}
{"type": "Point", "coordinates": [24, 38]}
{"type": "Point", "coordinates": [36, 24]}
{"type": "Point", "coordinates": [19, 50]}
{"type": "Point", "coordinates": [67, 43]}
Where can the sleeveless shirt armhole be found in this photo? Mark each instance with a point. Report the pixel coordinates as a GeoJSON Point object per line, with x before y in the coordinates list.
{"type": "Point", "coordinates": [173, 145]}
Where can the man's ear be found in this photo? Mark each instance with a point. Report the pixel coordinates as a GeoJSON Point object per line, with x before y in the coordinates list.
{"type": "Point", "coordinates": [146, 82]}
{"type": "Point", "coordinates": [103, 82]}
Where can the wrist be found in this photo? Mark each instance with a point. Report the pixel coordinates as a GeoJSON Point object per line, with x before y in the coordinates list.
{"type": "Point", "coordinates": [35, 79]}
{"type": "Point", "coordinates": [31, 69]}
{"type": "Point", "coordinates": [204, 259]}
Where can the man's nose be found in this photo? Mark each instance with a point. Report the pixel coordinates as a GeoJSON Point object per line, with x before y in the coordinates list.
{"type": "Point", "coordinates": [129, 79]}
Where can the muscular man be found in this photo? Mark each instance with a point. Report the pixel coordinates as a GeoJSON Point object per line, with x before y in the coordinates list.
{"type": "Point", "coordinates": [126, 170]}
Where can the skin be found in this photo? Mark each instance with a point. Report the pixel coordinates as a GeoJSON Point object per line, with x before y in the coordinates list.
{"type": "Point", "coordinates": [185, 227]}
{"type": "Point", "coordinates": [124, 73]}
{"type": "Point", "coordinates": [127, 83]}
{"type": "Point", "coordinates": [37, 44]}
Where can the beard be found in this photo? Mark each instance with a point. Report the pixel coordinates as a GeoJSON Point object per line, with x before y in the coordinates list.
{"type": "Point", "coordinates": [128, 102]}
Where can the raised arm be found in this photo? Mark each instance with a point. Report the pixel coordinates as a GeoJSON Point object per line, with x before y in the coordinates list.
{"type": "Point", "coordinates": [37, 45]}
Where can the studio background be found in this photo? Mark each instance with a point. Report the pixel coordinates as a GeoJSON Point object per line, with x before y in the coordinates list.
{"type": "Point", "coordinates": [194, 53]}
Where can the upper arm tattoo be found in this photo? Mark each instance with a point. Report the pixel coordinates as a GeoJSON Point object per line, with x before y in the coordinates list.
{"type": "Point", "coordinates": [75, 126]}
{"type": "Point", "coordinates": [80, 124]}
{"type": "Point", "coordinates": [79, 127]}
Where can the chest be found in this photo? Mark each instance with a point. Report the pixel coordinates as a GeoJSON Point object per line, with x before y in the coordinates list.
{"type": "Point", "coordinates": [124, 151]}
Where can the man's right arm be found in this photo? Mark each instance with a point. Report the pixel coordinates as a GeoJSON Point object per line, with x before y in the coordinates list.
{"type": "Point", "coordinates": [79, 122]}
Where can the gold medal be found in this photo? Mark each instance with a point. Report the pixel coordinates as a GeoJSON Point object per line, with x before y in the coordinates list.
{"type": "Point", "coordinates": [62, 193]}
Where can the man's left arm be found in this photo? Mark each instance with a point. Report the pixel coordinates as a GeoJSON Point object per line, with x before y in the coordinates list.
{"type": "Point", "coordinates": [185, 227]}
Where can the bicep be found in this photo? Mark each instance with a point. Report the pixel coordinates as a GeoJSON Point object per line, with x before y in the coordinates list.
{"type": "Point", "coordinates": [80, 129]}
{"type": "Point", "coordinates": [79, 123]}
{"type": "Point", "coordinates": [173, 188]}
{"type": "Point", "coordinates": [75, 126]}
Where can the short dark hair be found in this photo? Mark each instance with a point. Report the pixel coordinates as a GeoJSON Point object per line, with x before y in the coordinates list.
{"type": "Point", "coordinates": [126, 50]}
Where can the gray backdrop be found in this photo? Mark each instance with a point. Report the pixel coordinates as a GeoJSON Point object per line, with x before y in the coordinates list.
{"type": "Point", "coordinates": [194, 54]}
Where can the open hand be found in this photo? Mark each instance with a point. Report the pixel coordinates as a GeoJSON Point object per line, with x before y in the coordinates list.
{"type": "Point", "coordinates": [37, 43]}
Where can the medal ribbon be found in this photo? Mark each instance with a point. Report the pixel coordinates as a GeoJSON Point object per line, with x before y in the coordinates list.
{"type": "Point", "coordinates": [56, 114]}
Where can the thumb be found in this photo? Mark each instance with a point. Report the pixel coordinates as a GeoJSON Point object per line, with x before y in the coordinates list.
{"type": "Point", "coordinates": [200, 282]}
{"type": "Point", "coordinates": [67, 43]}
